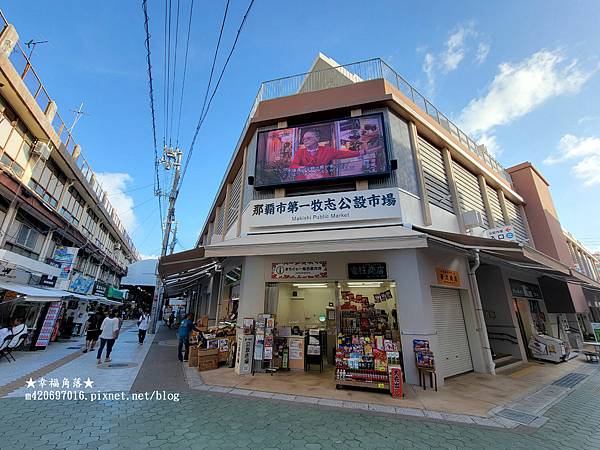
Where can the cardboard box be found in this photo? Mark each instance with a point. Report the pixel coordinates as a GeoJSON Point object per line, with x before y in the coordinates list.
{"type": "Point", "coordinates": [203, 353]}
{"type": "Point", "coordinates": [208, 363]}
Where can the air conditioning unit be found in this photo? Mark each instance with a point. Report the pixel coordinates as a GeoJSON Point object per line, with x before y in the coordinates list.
{"type": "Point", "coordinates": [472, 219]}
{"type": "Point", "coordinates": [42, 150]}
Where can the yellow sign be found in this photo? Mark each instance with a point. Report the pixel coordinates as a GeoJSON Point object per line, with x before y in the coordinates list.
{"type": "Point", "coordinates": [447, 277]}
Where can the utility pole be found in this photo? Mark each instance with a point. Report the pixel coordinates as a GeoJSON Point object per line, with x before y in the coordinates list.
{"type": "Point", "coordinates": [171, 159]}
{"type": "Point", "coordinates": [174, 240]}
{"type": "Point", "coordinates": [78, 113]}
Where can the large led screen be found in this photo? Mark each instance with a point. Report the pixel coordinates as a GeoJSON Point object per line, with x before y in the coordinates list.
{"type": "Point", "coordinates": [354, 147]}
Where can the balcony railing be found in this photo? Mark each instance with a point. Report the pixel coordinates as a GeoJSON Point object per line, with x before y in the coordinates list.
{"type": "Point", "coordinates": [22, 65]}
{"type": "Point", "coordinates": [371, 69]}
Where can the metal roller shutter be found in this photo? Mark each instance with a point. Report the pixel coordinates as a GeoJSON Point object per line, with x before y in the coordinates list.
{"type": "Point", "coordinates": [495, 206]}
{"type": "Point", "coordinates": [436, 179]}
{"type": "Point", "coordinates": [515, 218]}
{"type": "Point", "coordinates": [455, 354]}
{"type": "Point", "coordinates": [469, 194]}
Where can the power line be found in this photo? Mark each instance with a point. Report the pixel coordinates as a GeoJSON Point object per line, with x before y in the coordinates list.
{"type": "Point", "coordinates": [174, 74]}
{"type": "Point", "coordinates": [203, 116]}
{"type": "Point", "coordinates": [187, 45]}
{"type": "Point", "coordinates": [152, 110]}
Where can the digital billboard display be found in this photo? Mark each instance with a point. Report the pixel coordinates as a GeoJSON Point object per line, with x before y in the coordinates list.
{"type": "Point", "coordinates": [353, 147]}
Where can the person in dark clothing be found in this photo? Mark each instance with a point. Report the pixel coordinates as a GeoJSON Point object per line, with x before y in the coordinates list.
{"type": "Point", "coordinates": [171, 319]}
{"type": "Point", "coordinates": [183, 334]}
{"type": "Point", "coordinates": [93, 331]}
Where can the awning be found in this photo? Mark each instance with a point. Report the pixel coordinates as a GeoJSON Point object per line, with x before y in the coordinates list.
{"type": "Point", "coordinates": [325, 241]}
{"type": "Point", "coordinates": [182, 262]}
{"type": "Point", "coordinates": [585, 281]}
{"type": "Point", "coordinates": [32, 293]}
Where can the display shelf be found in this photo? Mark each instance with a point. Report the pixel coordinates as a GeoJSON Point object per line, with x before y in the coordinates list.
{"type": "Point", "coordinates": [366, 384]}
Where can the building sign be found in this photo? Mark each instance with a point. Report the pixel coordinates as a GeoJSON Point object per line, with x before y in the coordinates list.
{"type": "Point", "coordinates": [326, 208]}
{"type": "Point", "coordinates": [505, 233]}
{"type": "Point", "coordinates": [81, 284]}
{"type": "Point", "coordinates": [115, 294]}
{"type": "Point", "coordinates": [100, 288]}
{"type": "Point", "coordinates": [351, 147]}
{"type": "Point", "coordinates": [525, 290]}
{"type": "Point", "coordinates": [48, 281]}
{"type": "Point", "coordinates": [48, 325]}
{"type": "Point", "coordinates": [64, 258]}
{"type": "Point", "coordinates": [367, 271]}
{"type": "Point", "coordinates": [447, 277]}
{"type": "Point", "coordinates": [299, 270]}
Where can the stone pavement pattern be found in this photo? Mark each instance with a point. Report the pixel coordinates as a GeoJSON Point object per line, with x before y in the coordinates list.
{"type": "Point", "coordinates": [210, 420]}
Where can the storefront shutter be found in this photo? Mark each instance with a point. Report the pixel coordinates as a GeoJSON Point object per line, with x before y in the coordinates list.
{"type": "Point", "coordinates": [515, 218]}
{"type": "Point", "coordinates": [469, 194]}
{"type": "Point", "coordinates": [495, 206]}
{"type": "Point", "coordinates": [436, 179]}
{"type": "Point", "coordinates": [454, 352]}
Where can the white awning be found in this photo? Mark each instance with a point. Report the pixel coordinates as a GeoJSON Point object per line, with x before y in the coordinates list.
{"type": "Point", "coordinates": [32, 293]}
{"type": "Point", "coordinates": [28, 264]}
{"type": "Point", "coordinates": [323, 241]}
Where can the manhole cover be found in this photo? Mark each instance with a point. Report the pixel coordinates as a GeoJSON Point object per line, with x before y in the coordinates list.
{"type": "Point", "coordinates": [517, 416]}
{"type": "Point", "coordinates": [117, 365]}
{"type": "Point", "coordinates": [74, 348]}
{"type": "Point", "coordinates": [570, 380]}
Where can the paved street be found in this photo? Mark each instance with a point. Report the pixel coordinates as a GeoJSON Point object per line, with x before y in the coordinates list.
{"type": "Point", "coordinates": [209, 420]}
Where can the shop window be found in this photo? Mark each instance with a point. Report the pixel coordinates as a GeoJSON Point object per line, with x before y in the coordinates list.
{"type": "Point", "coordinates": [27, 237]}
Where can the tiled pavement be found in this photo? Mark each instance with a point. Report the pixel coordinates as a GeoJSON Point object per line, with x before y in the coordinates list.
{"type": "Point", "coordinates": [212, 420]}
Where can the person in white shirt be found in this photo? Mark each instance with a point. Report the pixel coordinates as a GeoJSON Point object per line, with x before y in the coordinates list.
{"type": "Point", "coordinates": [109, 332]}
{"type": "Point", "coordinates": [143, 322]}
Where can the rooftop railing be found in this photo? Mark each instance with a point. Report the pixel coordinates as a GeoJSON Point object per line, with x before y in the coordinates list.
{"type": "Point", "coordinates": [22, 65]}
{"type": "Point", "coordinates": [371, 69]}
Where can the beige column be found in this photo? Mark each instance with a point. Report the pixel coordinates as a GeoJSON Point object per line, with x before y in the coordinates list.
{"type": "Point", "coordinates": [414, 143]}
{"type": "Point", "coordinates": [527, 229]}
{"type": "Point", "coordinates": [45, 246]}
{"type": "Point", "coordinates": [502, 200]}
{"type": "Point", "coordinates": [453, 190]}
{"type": "Point", "coordinates": [486, 200]}
{"type": "Point", "coordinates": [11, 215]}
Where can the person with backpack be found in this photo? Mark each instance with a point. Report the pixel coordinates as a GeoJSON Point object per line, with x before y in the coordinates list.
{"type": "Point", "coordinates": [183, 335]}
{"type": "Point", "coordinates": [109, 333]}
{"type": "Point", "coordinates": [93, 330]}
{"type": "Point", "coordinates": [143, 322]}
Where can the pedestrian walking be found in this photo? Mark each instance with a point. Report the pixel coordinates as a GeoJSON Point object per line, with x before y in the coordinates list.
{"type": "Point", "coordinates": [185, 328]}
{"type": "Point", "coordinates": [93, 331]}
{"type": "Point", "coordinates": [109, 333]}
{"type": "Point", "coordinates": [143, 322]}
{"type": "Point", "coordinates": [171, 318]}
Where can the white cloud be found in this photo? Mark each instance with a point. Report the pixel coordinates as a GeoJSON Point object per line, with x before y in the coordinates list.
{"type": "Point", "coordinates": [586, 151]}
{"type": "Point", "coordinates": [483, 50]}
{"type": "Point", "coordinates": [519, 88]}
{"type": "Point", "coordinates": [143, 256]}
{"type": "Point", "coordinates": [455, 47]}
{"type": "Point", "coordinates": [429, 71]}
{"type": "Point", "coordinates": [115, 183]}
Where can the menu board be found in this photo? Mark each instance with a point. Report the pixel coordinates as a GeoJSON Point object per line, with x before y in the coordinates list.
{"type": "Point", "coordinates": [48, 326]}
{"type": "Point", "coordinates": [296, 348]}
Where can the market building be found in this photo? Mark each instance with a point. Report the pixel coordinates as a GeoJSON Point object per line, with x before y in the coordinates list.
{"type": "Point", "coordinates": [62, 245]}
{"type": "Point", "coordinates": [357, 226]}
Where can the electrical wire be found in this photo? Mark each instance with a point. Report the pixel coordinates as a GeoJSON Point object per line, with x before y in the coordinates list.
{"type": "Point", "coordinates": [203, 116]}
{"type": "Point", "coordinates": [187, 46]}
{"type": "Point", "coordinates": [174, 74]}
{"type": "Point", "coordinates": [152, 110]}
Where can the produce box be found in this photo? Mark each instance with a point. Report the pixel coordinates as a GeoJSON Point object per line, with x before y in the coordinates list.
{"type": "Point", "coordinates": [208, 363]}
{"type": "Point", "coordinates": [204, 353]}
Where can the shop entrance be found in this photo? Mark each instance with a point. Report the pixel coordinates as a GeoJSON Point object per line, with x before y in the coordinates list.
{"type": "Point", "coordinates": [315, 323]}
{"type": "Point", "coordinates": [452, 333]}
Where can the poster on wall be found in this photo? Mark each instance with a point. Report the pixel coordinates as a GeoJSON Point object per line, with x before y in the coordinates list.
{"type": "Point", "coordinates": [64, 258]}
{"type": "Point", "coordinates": [296, 349]}
{"type": "Point", "coordinates": [299, 270]}
{"type": "Point", "coordinates": [350, 147]}
{"type": "Point", "coordinates": [81, 284]}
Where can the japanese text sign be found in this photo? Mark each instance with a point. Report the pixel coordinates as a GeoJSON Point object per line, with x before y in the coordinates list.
{"type": "Point", "coordinates": [447, 277]}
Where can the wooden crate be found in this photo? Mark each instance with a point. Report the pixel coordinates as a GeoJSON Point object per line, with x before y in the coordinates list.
{"type": "Point", "coordinates": [208, 363]}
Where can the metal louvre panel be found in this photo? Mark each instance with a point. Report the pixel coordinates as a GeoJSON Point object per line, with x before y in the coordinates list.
{"type": "Point", "coordinates": [436, 179]}
{"type": "Point", "coordinates": [469, 194]}
{"type": "Point", "coordinates": [515, 218]}
{"type": "Point", "coordinates": [233, 202]}
{"type": "Point", "coordinates": [219, 221]}
{"type": "Point", "coordinates": [455, 353]}
{"type": "Point", "coordinates": [495, 206]}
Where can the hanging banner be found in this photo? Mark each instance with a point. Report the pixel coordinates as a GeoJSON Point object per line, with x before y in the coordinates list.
{"type": "Point", "coordinates": [81, 284]}
{"type": "Point", "coordinates": [299, 270]}
{"type": "Point", "coordinates": [64, 258]}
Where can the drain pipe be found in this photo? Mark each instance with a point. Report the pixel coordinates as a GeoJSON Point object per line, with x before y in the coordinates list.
{"type": "Point", "coordinates": [479, 318]}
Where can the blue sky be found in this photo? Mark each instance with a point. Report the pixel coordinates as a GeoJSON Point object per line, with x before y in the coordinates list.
{"type": "Point", "coordinates": [521, 76]}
